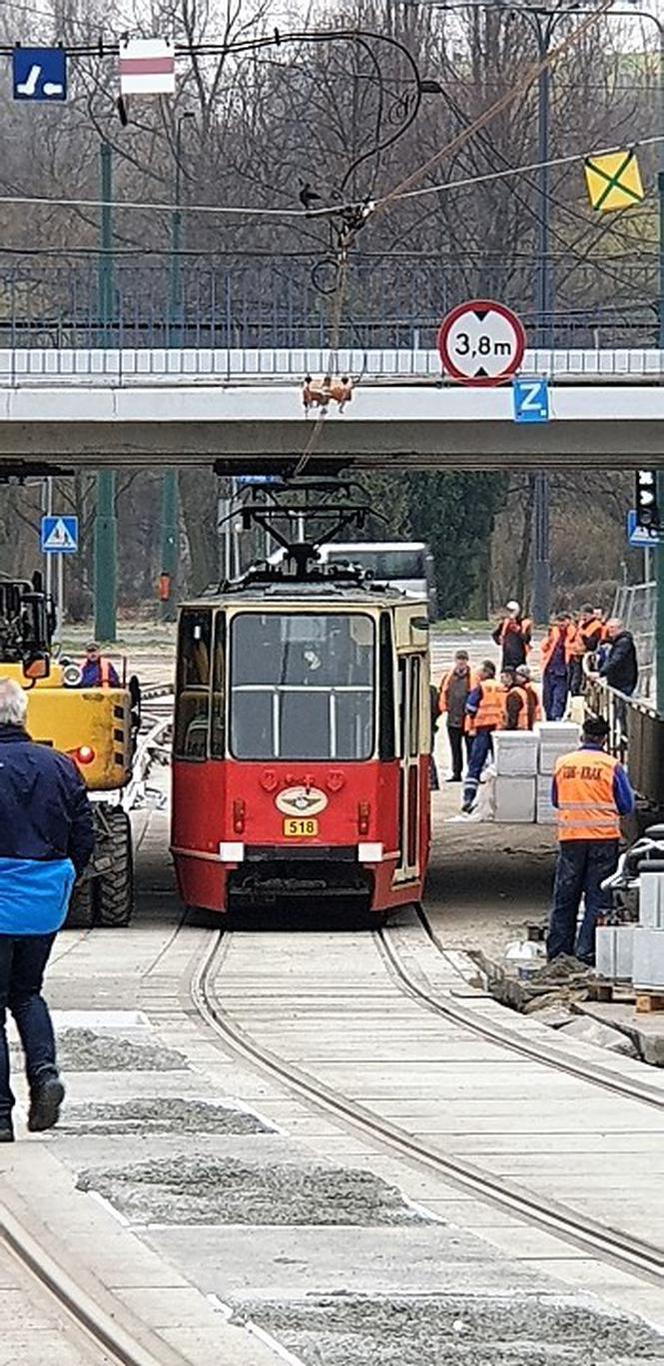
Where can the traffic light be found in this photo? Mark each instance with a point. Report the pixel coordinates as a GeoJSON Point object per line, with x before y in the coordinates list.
{"type": "Point", "coordinates": [647, 510]}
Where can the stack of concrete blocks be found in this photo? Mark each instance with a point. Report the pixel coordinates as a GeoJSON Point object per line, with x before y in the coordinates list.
{"type": "Point", "coordinates": [648, 962]}
{"type": "Point", "coordinates": [555, 738]}
{"type": "Point", "coordinates": [515, 759]}
{"type": "Point", "coordinates": [614, 952]}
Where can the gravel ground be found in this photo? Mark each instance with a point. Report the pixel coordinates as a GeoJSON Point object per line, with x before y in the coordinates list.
{"type": "Point", "coordinates": [161, 1115]}
{"type": "Point", "coordinates": [199, 1190]}
{"type": "Point", "coordinates": [82, 1050]}
{"type": "Point", "coordinates": [454, 1331]}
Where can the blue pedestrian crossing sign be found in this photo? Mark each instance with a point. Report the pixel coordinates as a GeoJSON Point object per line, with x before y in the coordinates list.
{"type": "Point", "coordinates": [639, 536]}
{"type": "Point", "coordinates": [59, 535]}
{"type": "Point", "coordinates": [531, 400]}
{"type": "Point", "coordinates": [40, 73]}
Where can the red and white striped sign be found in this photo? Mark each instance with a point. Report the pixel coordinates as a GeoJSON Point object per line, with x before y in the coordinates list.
{"type": "Point", "coordinates": [147, 66]}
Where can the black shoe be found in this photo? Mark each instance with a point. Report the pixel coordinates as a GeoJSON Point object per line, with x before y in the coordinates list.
{"type": "Point", "coordinates": [6, 1133]}
{"type": "Point", "coordinates": [453, 779]}
{"type": "Point", "coordinates": [467, 808]}
{"type": "Point", "coordinates": [45, 1100]}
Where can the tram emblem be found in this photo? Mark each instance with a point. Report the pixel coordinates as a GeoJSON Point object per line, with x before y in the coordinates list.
{"type": "Point", "coordinates": [301, 801]}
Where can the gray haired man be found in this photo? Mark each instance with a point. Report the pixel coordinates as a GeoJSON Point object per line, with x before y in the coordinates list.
{"type": "Point", "coordinates": [46, 840]}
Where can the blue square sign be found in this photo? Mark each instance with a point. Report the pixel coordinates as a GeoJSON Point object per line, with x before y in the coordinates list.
{"type": "Point", "coordinates": [639, 536]}
{"type": "Point", "coordinates": [40, 73]}
{"type": "Point", "coordinates": [531, 400]}
{"type": "Point", "coordinates": [59, 535]}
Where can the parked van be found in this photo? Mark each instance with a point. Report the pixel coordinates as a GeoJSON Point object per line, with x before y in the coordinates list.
{"type": "Point", "coordinates": [407, 565]}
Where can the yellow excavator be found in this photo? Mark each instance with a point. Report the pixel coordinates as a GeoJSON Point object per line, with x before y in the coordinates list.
{"type": "Point", "coordinates": [96, 727]}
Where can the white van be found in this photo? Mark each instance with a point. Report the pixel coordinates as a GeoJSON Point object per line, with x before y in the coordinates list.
{"type": "Point", "coordinates": [407, 565]}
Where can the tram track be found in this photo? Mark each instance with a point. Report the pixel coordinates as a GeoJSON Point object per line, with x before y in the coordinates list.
{"type": "Point", "coordinates": [619, 1248]}
{"type": "Point", "coordinates": [99, 1326]}
{"type": "Point", "coordinates": [497, 1033]}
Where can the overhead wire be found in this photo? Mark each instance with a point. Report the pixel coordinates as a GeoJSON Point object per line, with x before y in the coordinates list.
{"type": "Point", "coordinates": [260, 211]}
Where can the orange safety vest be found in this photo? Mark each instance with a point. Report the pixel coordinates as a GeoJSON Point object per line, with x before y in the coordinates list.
{"type": "Point", "coordinates": [593, 627]}
{"type": "Point", "coordinates": [549, 644]}
{"type": "Point", "coordinates": [523, 720]}
{"type": "Point", "coordinates": [491, 712]}
{"type": "Point", "coordinates": [444, 691]}
{"type": "Point", "coordinates": [586, 804]}
{"type": "Point", "coordinates": [534, 704]}
{"type": "Point", "coordinates": [524, 627]}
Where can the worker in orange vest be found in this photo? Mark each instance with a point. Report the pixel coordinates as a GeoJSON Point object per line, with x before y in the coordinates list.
{"type": "Point", "coordinates": [587, 638]}
{"type": "Point", "coordinates": [486, 709]}
{"type": "Point", "coordinates": [97, 672]}
{"type": "Point", "coordinates": [513, 633]}
{"type": "Point", "coordinates": [591, 791]}
{"type": "Point", "coordinates": [515, 702]}
{"type": "Point", "coordinates": [534, 704]}
{"type": "Point", "coordinates": [557, 651]}
{"type": "Point", "coordinates": [455, 687]}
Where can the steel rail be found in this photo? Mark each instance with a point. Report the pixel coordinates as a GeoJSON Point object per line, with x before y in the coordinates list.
{"type": "Point", "coordinates": [102, 1325]}
{"type": "Point", "coordinates": [620, 1249]}
{"type": "Point", "coordinates": [467, 1018]}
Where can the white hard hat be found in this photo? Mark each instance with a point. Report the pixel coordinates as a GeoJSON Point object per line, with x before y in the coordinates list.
{"type": "Point", "coordinates": [513, 606]}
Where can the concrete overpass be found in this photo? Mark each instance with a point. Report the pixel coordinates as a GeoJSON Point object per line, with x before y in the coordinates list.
{"type": "Point", "coordinates": [78, 408]}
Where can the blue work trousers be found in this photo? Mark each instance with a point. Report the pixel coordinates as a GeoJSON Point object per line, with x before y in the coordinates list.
{"type": "Point", "coordinates": [554, 695]}
{"type": "Point", "coordinates": [23, 960]}
{"type": "Point", "coordinates": [580, 868]}
{"type": "Point", "coordinates": [482, 748]}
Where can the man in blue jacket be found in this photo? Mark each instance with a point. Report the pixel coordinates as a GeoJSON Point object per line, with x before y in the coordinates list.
{"type": "Point", "coordinates": [46, 840]}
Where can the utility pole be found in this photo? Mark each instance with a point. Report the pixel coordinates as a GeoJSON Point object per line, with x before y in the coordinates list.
{"type": "Point", "coordinates": [170, 537]}
{"type": "Point", "coordinates": [105, 534]}
{"type": "Point", "coordinates": [543, 27]}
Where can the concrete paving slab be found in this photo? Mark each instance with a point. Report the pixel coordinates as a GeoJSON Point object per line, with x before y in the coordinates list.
{"type": "Point", "coordinates": [34, 1347]}
{"type": "Point", "coordinates": [222, 1345]}
{"type": "Point", "coordinates": [234, 1262]}
{"type": "Point", "coordinates": [626, 1293]}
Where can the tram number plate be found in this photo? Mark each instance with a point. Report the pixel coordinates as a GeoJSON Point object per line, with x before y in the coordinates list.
{"type": "Point", "coordinates": [299, 828]}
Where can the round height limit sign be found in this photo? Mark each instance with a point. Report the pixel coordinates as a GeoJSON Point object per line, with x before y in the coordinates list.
{"type": "Point", "coordinates": [481, 343]}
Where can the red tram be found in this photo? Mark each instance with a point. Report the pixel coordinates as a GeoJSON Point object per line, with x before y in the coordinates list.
{"type": "Point", "coordinates": [301, 742]}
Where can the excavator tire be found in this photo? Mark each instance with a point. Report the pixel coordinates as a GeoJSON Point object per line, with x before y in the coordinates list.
{"type": "Point", "coordinates": [82, 913]}
{"type": "Point", "coordinates": [115, 888]}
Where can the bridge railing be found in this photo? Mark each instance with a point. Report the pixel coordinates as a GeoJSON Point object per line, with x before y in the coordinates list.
{"type": "Point", "coordinates": [287, 302]}
{"type": "Point", "coordinates": [114, 366]}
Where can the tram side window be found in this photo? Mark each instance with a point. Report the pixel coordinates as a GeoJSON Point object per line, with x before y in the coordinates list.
{"type": "Point", "coordinates": [218, 728]}
{"type": "Point", "coordinates": [387, 746]}
{"type": "Point", "coordinates": [192, 710]}
{"type": "Point", "coordinates": [415, 705]}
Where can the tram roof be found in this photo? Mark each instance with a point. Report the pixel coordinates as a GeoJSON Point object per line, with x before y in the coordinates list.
{"type": "Point", "coordinates": [300, 592]}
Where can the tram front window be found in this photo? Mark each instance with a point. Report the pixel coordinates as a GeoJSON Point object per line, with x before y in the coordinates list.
{"type": "Point", "coordinates": [302, 686]}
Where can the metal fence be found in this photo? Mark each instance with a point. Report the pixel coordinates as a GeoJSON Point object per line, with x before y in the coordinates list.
{"type": "Point", "coordinates": [288, 302]}
{"type": "Point", "coordinates": [636, 606]}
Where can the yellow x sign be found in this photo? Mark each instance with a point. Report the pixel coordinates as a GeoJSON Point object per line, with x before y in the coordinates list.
{"type": "Point", "coordinates": [613, 180]}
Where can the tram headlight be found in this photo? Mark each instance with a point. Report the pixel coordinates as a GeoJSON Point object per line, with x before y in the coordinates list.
{"type": "Point", "coordinates": [239, 814]}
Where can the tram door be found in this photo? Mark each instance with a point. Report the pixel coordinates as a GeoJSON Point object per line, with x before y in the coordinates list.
{"type": "Point", "coordinates": [410, 717]}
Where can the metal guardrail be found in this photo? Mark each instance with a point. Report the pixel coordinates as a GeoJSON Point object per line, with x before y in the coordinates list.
{"type": "Point", "coordinates": [112, 367]}
{"type": "Point", "coordinates": [635, 605]}
{"type": "Point", "coordinates": [636, 737]}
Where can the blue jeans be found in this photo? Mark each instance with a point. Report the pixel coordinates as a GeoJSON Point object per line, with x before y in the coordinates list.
{"type": "Point", "coordinates": [554, 695]}
{"type": "Point", "coordinates": [481, 749]}
{"type": "Point", "coordinates": [23, 960]}
{"type": "Point", "coordinates": [580, 868]}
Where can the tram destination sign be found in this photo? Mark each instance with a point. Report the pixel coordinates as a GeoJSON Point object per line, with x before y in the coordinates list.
{"type": "Point", "coordinates": [481, 343]}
